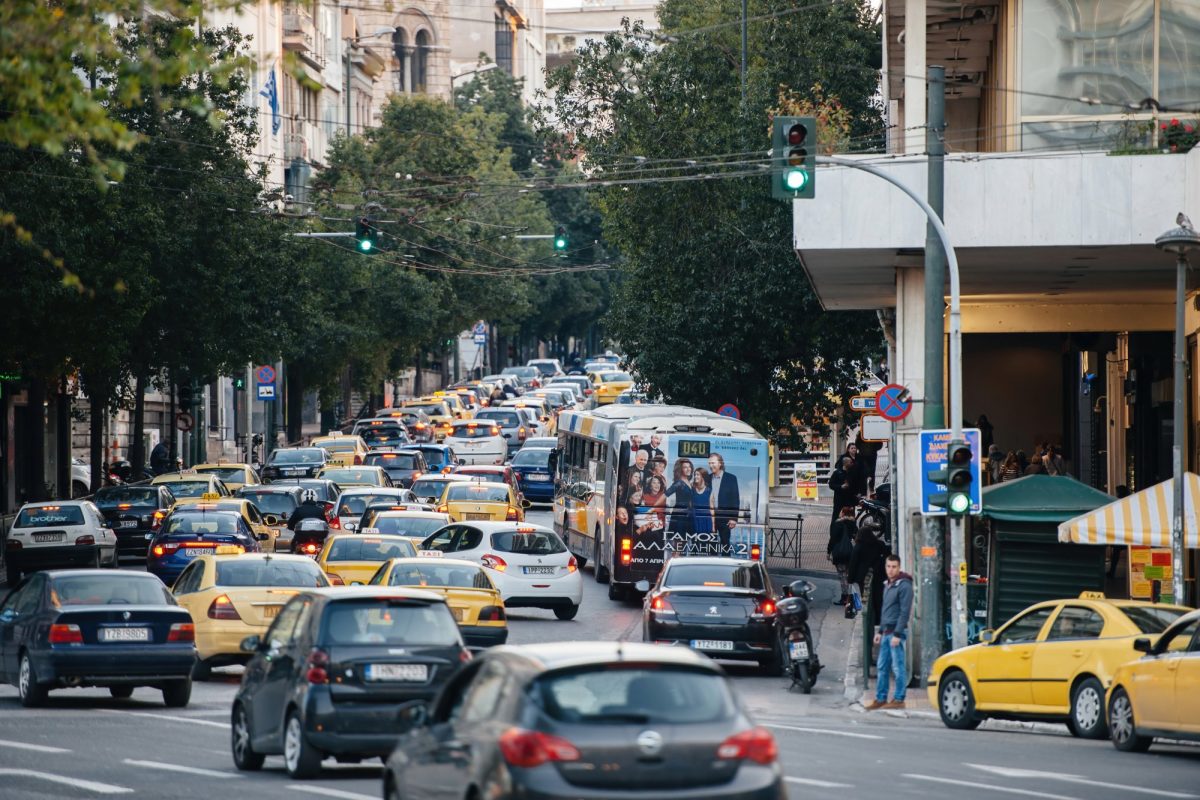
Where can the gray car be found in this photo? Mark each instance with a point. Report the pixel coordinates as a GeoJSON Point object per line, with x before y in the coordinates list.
{"type": "Point", "coordinates": [513, 426]}
{"type": "Point", "coordinates": [584, 720]}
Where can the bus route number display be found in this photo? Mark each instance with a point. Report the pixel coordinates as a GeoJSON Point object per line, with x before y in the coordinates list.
{"type": "Point", "coordinates": [693, 448]}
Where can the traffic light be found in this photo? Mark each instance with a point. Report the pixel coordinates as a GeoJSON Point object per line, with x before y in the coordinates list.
{"type": "Point", "coordinates": [793, 158]}
{"type": "Point", "coordinates": [186, 394]}
{"type": "Point", "coordinates": [560, 238]}
{"type": "Point", "coordinates": [366, 234]}
{"type": "Point", "coordinates": [956, 477]}
{"type": "Point", "coordinates": [239, 383]}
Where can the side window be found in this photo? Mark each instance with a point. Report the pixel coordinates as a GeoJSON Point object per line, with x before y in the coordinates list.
{"type": "Point", "coordinates": [252, 512]}
{"type": "Point", "coordinates": [1026, 627]}
{"type": "Point", "coordinates": [469, 539]}
{"type": "Point", "coordinates": [31, 596]}
{"type": "Point", "coordinates": [1183, 637]}
{"type": "Point", "coordinates": [284, 627]}
{"type": "Point", "coordinates": [188, 579]}
{"type": "Point", "coordinates": [14, 600]}
{"type": "Point", "coordinates": [444, 539]}
{"type": "Point", "coordinates": [1076, 622]}
{"type": "Point", "coordinates": [483, 696]}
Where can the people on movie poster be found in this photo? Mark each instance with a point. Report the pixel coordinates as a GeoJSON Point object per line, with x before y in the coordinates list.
{"type": "Point", "coordinates": [726, 498]}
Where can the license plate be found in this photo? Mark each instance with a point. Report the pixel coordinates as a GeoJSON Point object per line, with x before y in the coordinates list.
{"type": "Point", "coordinates": [798, 649]}
{"type": "Point", "coordinates": [540, 570]}
{"type": "Point", "coordinates": [49, 537]}
{"type": "Point", "coordinates": [478, 516]}
{"type": "Point", "coordinates": [127, 523]}
{"type": "Point", "coordinates": [124, 634]}
{"type": "Point", "coordinates": [711, 644]}
{"type": "Point", "coordinates": [397, 672]}
{"type": "Point", "coordinates": [193, 552]}
{"type": "Point", "coordinates": [270, 612]}
{"type": "Point", "coordinates": [459, 614]}
{"type": "Point", "coordinates": [539, 476]}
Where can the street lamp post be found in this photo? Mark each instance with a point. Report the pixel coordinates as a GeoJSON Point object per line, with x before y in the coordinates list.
{"type": "Point", "coordinates": [1180, 241]}
{"type": "Point", "coordinates": [350, 42]}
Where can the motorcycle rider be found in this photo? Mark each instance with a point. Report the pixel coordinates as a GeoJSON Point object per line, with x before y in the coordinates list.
{"type": "Point", "coordinates": [309, 508]}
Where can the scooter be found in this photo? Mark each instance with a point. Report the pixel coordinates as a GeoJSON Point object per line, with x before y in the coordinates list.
{"type": "Point", "coordinates": [802, 662]}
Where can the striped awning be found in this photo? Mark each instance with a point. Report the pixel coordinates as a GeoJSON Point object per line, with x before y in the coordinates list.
{"type": "Point", "coordinates": [1144, 518]}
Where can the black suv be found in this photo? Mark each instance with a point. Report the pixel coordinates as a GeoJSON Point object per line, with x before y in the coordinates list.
{"type": "Point", "coordinates": [294, 462]}
{"type": "Point", "coordinates": [135, 513]}
{"type": "Point", "coordinates": [333, 670]}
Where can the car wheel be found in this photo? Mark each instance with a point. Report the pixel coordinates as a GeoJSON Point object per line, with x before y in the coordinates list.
{"type": "Point", "coordinates": [1121, 729]}
{"type": "Point", "coordinates": [176, 694]}
{"type": "Point", "coordinates": [1087, 710]}
{"type": "Point", "coordinates": [956, 702]}
{"type": "Point", "coordinates": [244, 757]}
{"type": "Point", "coordinates": [299, 757]}
{"type": "Point", "coordinates": [116, 560]}
{"type": "Point", "coordinates": [201, 670]}
{"type": "Point", "coordinates": [32, 693]}
{"type": "Point", "coordinates": [121, 692]}
{"type": "Point", "coordinates": [566, 612]}
{"type": "Point", "coordinates": [96, 564]}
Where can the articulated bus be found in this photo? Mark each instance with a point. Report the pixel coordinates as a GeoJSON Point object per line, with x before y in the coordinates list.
{"type": "Point", "coordinates": [638, 484]}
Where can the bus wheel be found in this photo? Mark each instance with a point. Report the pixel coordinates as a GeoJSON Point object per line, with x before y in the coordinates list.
{"type": "Point", "coordinates": [616, 591]}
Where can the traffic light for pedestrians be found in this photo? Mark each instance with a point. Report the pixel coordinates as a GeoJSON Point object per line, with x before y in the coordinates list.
{"type": "Point", "coordinates": [956, 477]}
{"type": "Point", "coordinates": [239, 384]}
{"type": "Point", "coordinates": [793, 158]}
{"type": "Point", "coordinates": [560, 238]}
{"type": "Point", "coordinates": [366, 234]}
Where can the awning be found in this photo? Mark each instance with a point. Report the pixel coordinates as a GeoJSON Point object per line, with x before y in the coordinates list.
{"type": "Point", "coordinates": [1141, 519]}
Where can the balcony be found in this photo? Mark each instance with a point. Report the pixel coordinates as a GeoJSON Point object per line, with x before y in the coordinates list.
{"type": "Point", "coordinates": [300, 36]}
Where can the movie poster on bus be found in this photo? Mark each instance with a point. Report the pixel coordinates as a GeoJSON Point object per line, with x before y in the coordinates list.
{"type": "Point", "coordinates": [692, 494]}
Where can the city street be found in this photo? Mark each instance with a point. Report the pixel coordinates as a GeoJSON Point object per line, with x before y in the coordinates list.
{"type": "Point", "coordinates": [84, 743]}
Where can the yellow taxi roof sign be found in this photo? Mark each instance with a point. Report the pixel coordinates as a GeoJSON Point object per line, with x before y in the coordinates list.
{"type": "Point", "coordinates": [1091, 596]}
{"type": "Point", "coordinates": [430, 554]}
{"type": "Point", "coordinates": [229, 550]}
{"type": "Point", "coordinates": [369, 530]}
{"type": "Point", "coordinates": [210, 496]}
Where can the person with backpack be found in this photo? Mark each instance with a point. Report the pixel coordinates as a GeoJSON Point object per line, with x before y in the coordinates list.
{"type": "Point", "coordinates": [840, 548]}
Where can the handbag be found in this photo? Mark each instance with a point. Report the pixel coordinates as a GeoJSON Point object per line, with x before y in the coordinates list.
{"type": "Point", "coordinates": [855, 597]}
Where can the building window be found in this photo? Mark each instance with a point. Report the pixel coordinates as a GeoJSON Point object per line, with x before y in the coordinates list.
{"type": "Point", "coordinates": [400, 51]}
{"type": "Point", "coordinates": [309, 101]}
{"type": "Point", "coordinates": [504, 44]}
{"type": "Point", "coordinates": [420, 67]}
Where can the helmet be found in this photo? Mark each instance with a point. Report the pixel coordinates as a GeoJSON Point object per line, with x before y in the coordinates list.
{"type": "Point", "coordinates": [308, 496]}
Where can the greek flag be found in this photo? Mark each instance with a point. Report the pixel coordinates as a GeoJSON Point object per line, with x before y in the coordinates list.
{"type": "Point", "coordinates": [272, 94]}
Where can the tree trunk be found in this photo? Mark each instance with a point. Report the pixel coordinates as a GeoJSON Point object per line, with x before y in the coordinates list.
{"type": "Point", "coordinates": [62, 406]}
{"type": "Point", "coordinates": [36, 481]}
{"type": "Point", "coordinates": [417, 377]}
{"type": "Point", "coordinates": [137, 444]}
{"type": "Point", "coordinates": [96, 410]}
{"type": "Point", "coordinates": [295, 404]}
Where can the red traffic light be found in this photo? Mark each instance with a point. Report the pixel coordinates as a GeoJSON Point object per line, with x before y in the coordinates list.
{"type": "Point", "coordinates": [797, 134]}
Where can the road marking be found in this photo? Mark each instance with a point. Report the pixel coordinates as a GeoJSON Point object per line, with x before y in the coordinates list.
{"type": "Point", "coordinates": [37, 748]}
{"type": "Point", "coordinates": [209, 773]}
{"type": "Point", "coordinates": [829, 731]}
{"type": "Point", "coordinates": [171, 717]}
{"type": "Point", "coordinates": [1017, 772]}
{"type": "Point", "coordinates": [976, 785]}
{"type": "Point", "coordinates": [817, 783]}
{"type": "Point", "coordinates": [300, 787]}
{"type": "Point", "coordinates": [90, 786]}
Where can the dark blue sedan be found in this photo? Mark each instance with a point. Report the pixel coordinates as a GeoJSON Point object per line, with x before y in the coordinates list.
{"type": "Point", "coordinates": [532, 468]}
{"type": "Point", "coordinates": [188, 532]}
{"type": "Point", "coordinates": [88, 627]}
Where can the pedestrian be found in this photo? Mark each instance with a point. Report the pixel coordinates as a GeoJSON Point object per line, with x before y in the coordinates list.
{"type": "Point", "coordinates": [841, 480]}
{"type": "Point", "coordinates": [892, 634]}
{"type": "Point", "coordinates": [1022, 461]}
{"type": "Point", "coordinates": [858, 472]}
{"type": "Point", "coordinates": [840, 547]}
{"type": "Point", "coordinates": [497, 396]}
{"type": "Point", "coordinates": [995, 464]}
{"type": "Point", "coordinates": [986, 433]}
{"type": "Point", "coordinates": [160, 459]}
{"type": "Point", "coordinates": [1055, 464]}
{"type": "Point", "coordinates": [865, 570]}
{"type": "Point", "coordinates": [1035, 466]}
{"type": "Point", "coordinates": [1010, 471]}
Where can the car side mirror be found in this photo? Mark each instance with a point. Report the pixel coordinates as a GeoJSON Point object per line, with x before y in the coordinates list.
{"type": "Point", "coordinates": [987, 636]}
{"type": "Point", "coordinates": [412, 715]}
{"type": "Point", "coordinates": [525, 504]}
{"type": "Point", "coordinates": [271, 519]}
{"type": "Point", "coordinates": [251, 644]}
{"type": "Point", "coordinates": [262, 537]}
{"type": "Point", "coordinates": [642, 586]}
{"type": "Point", "coordinates": [1142, 645]}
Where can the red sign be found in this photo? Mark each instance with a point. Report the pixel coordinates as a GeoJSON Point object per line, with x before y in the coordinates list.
{"type": "Point", "coordinates": [892, 402]}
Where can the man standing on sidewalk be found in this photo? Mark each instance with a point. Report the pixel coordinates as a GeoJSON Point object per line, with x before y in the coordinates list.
{"type": "Point", "coordinates": [892, 634]}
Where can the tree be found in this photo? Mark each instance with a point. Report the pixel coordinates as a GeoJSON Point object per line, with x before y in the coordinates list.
{"type": "Point", "coordinates": [713, 306]}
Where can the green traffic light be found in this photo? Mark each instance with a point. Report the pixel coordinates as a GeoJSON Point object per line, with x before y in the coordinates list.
{"type": "Point", "coordinates": [795, 179]}
{"type": "Point", "coordinates": [365, 245]}
{"type": "Point", "coordinates": [960, 503]}
{"type": "Point", "coordinates": [560, 244]}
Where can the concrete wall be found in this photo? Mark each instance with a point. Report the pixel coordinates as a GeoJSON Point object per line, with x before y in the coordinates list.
{"type": "Point", "coordinates": [1016, 380]}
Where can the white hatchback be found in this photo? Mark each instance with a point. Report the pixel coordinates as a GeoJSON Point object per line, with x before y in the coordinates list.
{"type": "Point", "coordinates": [477, 442]}
{"type": "Point", "coordinates": [529, 564]}
{"type": "Point", "coordinates": [59, 533]}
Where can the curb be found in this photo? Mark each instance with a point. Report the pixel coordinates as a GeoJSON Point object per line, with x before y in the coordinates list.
{"type": "Point", "coordinates": [850, 686]}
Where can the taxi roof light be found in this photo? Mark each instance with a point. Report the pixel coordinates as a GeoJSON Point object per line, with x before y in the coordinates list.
{"type": "Point", "coordinates": [1092, 596]}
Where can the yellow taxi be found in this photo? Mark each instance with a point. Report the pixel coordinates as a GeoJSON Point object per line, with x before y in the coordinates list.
{"type": "Point", "coordinates": [458, 406]}
{"type": "Point", "coordinates": [473, 599]}
{"type": "Point", "coordinates": [232, 596]}
{"type": "Point", "coordinates": [344, 451]}
{"type": "Point", "coordinates": [234, 476]}
{"type": "Point", "coordinates": [482, 500]}
{"type": "Point", "coordinates": [610, 384]}
{"type": "Point", "coordinates": [352, 558]}
{"type": "Point", "coordinates": [437, 410]}
{"type": "Point", "coordinates": [249, 512]}
{"type": "Point", "coordinates": [365, 475]}
{"type": "Point", "coordinates": [190, 486]}
{"type": "Point", "coordinates": [1053, 661]}
{"type": "Point", "coordinates": [1159, 694]}
{"type": "Point", "coordinates": [540, 408]}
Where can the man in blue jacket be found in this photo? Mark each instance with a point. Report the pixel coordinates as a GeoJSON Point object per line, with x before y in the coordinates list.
{"type": "Point", "coordinates": [891, 635]}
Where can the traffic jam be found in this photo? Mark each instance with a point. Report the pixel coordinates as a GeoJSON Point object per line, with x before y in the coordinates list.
{"type": "Point", "coordinates": [358, 591]}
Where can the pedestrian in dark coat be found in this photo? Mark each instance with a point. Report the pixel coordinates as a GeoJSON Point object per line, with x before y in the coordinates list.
{"type": "Point", "coordinates": [840, 547]}
{"type": "Point", "coordinates": [866, 565]}
{"type": "Point", "coordinates": [160, 459]}
{"type": "Point", "coordinates": [841, 480]}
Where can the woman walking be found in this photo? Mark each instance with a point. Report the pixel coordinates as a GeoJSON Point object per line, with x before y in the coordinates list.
{"type": "Point", "coordinates": [841, 547]}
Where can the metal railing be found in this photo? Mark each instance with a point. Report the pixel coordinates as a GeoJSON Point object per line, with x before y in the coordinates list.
{"type": "Point", "coordinates": [799, 542]}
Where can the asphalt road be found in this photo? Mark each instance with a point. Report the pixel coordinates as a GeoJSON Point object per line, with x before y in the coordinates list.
{"type": "Point", "coordinates": [86, 744]}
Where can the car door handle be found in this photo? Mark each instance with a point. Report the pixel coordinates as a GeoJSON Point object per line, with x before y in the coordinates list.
{"type": "Point", "coordinates": [1077, 653]}
{"type": "Point", "coordinates": [1027, 655]}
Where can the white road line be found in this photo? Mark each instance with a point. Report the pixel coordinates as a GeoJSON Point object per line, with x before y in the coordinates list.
{"type": "Point", "coordinates": [208, 773]}
{"type": "Point", "coordinates": [976, 785]}
{"type": "Point", "coordinates": [89, 786]}
{"type": "Point", "coordinates": [1019, 772]}
{"type": "Point", "coordinates": [171, 717]}
{"type": "Point", "coordinates": [37, 748]}
{"type": "Point", "coordinates": [819, 784]}
{"type": "Point", "coordinates": [300, 787]}
{"type": "Point", "coordinates": [829, 731]}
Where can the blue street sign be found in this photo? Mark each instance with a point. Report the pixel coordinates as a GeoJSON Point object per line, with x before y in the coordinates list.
{"type": "Point", "coordinates": [933, 456]}
{"type": "Point", "coordinates": [266, 391]}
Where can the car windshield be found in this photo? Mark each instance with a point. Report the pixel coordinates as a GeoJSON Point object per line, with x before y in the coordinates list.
{"type": "Point", "coordinates": [49, 516]}
{"type": "Point", "coordinates": [524, 372]}
{"type": "Point", "coordinates": [545, 367]}
{"type": "Point", "coordinates": [121, 588]}
{"type": "Point", "coordinates": [416, 527]}
{"type": "Point", "coordinates": [428, 573]}
{"type": "Point", "coordinates": [229, 474]}
{"type": "Point", "coordinates": [615, 377]}
{"type": "Point", "coordinates": [432, 409]}
{"type": "Point", "coordinates": [505, 419]}
{"type": "Point", "coordinates": [272, 502]}
{"type": "Point", "coordinates": [609, 694]}
{"type": "Point", "coordinates": [683, 574]}
{"type": "Point", "coordinates": [532, 457]}
{"type": "Point", "coordinates": [390, 621]}
{"type": "Point", "coordinates": [202, 523]}
{"type": "Point", "coordinates": [390, 461]}
{"type": "Point", "coordinates": [269, 572]}
{"type": "Point", "coordinates": [474, 493]}
{"type": "Point", "coordinates": [474, 432]}
{"type": "Point", "coordinates": [1152, 619]}
{"type": "Point", "coordinates": [377, 437]}
{"type": "Point", "coordinates": [126, 496]}
{"type": "Point", "coordinates": [334, 446]}
{"type": "Point", "coordinates": [349, 475]}
{"type": "Point", "coordinates": [369, 548]}
{"type": "Point", "coordinates": [536, 543]}
{"type": "Point", "coordinates": [308, 455]}
{"type": "Point", "coordinates": [429, 488]}
{"type": "Point", "coordinates": [190, 488]}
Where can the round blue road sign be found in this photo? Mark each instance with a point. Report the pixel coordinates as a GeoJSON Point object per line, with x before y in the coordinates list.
{"type": "Point", "coordinates": [265, 374]}
{"type": "Point", "coordinates": [729, 410]}
{"type": "Point", "coordinates": [893, 403]}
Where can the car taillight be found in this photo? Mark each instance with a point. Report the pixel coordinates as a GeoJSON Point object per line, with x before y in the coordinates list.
{"type": "Point", "coordinates": [416, 474]}
{"type": "Point", "coordinates": [512, 515]}
{"type": "Point", "coordinates": [756, 744]}
{"type": "Point", "coordinates": [65, 634]}
{"type": "Point", "coordinates": [765, 609]}
{"type": "Point", "coordinates": [572, 564]}
{"type": "Point", "coordinates": [182, 632]}
{"type": "Point", "coordinates": [335, 580]}
{"type": "Point", "coordinates": [587, 391]}
{"type": "Point", "coordinates": [495, 431]}
{"type": "Point", "coordinates": [222, 608]}
{"type": "Point", "coordinates": [522, 748]}
{"type": "Point", "coordinates": [443, 509]}
{"type": "Point", "coordinates": [521, 434]}
{"type": "Point", "coordinates": [517, 474]}
{"type": "Point", "coordinates": [165, 549]}
{"type": "Point", "coordinates": [335, 523]}
{"type": "Point", "coordinates": [756, 552]}
{"type": "Point", "coordinates": [357, 460]}
{"type": "Point", "coordinates": [13, 544]}
{"type": "Point", "coordinates": [494, 562]}
{"type": "Point", "coordinates": [81, 541]}
{"type": "Point", "coordinates": [156, 520]}
{"type": "Point", "coordinates": [491, 614]}
{"type": "Point", "coordinates": [316, 671]}
{"type": "Point", "coordinates": [661, 605]}
{"type": "Point", "coordinates": [626, 551]}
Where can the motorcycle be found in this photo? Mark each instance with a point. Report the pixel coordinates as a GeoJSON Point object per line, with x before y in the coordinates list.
{"type": "Point", "coordinates": [876, 512]}
{"type": "Point", "coordinates": [802, 663]}
{"type": "Point", "coordinates": [309, 537]}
